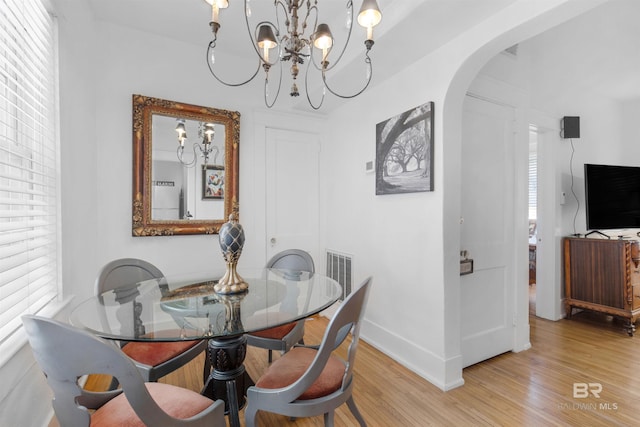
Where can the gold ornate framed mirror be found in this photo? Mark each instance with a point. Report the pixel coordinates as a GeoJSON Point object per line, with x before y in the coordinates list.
{"type": "Point", "coordinates": [188, 190]}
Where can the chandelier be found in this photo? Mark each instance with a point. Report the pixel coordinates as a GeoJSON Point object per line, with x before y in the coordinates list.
{"type": "Point", "coordinates": [206, 132]}
{"type": "Point", "coordinates": [285, 39]}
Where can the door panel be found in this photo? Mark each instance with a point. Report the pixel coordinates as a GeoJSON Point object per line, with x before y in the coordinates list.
{"type": "Point", "coordinates": [292, 191]}
{"type": "Point", "coordinates": [487, 199]}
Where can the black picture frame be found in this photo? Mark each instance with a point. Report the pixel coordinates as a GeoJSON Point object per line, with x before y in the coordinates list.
{"type": "Point", "coordinates": [404, 152]}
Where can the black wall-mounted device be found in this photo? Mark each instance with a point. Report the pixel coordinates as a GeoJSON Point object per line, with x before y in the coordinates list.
{"type": "Point", "coordinates": [570, 127]}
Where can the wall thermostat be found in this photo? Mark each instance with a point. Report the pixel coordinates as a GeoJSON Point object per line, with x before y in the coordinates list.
{"type": "Point", "coordinates": [369, 166]}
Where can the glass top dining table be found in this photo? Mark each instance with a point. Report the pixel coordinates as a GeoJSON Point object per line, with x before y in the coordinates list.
{"type": "Point", "coordinates": [187, 307]}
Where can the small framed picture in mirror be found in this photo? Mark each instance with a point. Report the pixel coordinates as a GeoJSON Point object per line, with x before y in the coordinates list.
{"type": "Point", "coordinates": [212, 182]}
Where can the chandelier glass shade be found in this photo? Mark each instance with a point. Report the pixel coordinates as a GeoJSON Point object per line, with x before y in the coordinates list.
{"type": "Point", "coordinates": [294, 36]}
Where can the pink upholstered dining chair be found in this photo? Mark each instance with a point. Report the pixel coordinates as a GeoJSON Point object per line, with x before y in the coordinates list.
{"type": "Point", "coordinates": [309, 381]}
{"type": "Point", "coordinates": [65, 354]}
{"type": "Point", "coordinates": [282, 338]}
{"type": "Point", "coordinates": [153, 359]}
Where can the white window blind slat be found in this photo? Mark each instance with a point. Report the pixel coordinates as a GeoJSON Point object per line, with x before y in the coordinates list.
{"type": "Point", "coordinates": [40, 180]}
{"type": "Point", "coordinates": [14, 203]}
{"type": "Point", "coordinates": [40, 233]}
{"type": "Point", "coordinates": [22, 225]}
{"type": "Point", "coordinates": [14, 272]}
{"type": "Point", "coordinates": [29, 220]}
{"type": "Point", "coordinates": [533, 175]}
{"type": "Point", "coordinates": [5, 189]}
{"type": "Point", "coordinates": [24, 214]}
{"type": "Point", "coordinates": [28, 41]}
{"type": "Point", "coordinates": [22, 251]}
{"type": "Point", "coordinates": [28, 302]}
{"type": "Point", "coordinates": [10, 318]}
{"type": "Point", "coordinates": [8, 148]}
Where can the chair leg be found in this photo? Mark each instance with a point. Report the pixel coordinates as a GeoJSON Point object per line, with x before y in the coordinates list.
{"type": "Point", "coordinates": [114, 383]}
{"type": "Point", "coordinates": [270, 356]}
{"type": "Point", "coordinates": [328, 419]}
{"type": "Point", "coordinates": [354, 410]}
{"type": "Point", "coordinates": [250, 416]}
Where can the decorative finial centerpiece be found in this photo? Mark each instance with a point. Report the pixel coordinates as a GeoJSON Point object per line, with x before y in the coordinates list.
{"type": "Point", "coordinates": [231, 237]}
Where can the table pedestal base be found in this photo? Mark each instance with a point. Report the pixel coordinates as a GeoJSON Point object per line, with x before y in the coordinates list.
{"type": "Point", "coordinates": [228, 379]}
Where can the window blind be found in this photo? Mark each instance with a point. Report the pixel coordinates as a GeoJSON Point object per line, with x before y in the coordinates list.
{"type": "Point", "coordinates": [28, 162]}
{"type": "Point", "coordinates": [533, 175]}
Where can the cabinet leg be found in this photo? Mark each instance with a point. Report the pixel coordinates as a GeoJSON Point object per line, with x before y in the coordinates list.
{"type": "Point", "coordinates": [631, 327]}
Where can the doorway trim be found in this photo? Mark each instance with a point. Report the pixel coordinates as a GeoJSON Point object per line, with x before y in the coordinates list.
{"type": "Point", "coordinates": [548, 259]}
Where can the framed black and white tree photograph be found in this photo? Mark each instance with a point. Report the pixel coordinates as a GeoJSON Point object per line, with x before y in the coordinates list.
{"type": "Point", "coordinates": [404, 152]}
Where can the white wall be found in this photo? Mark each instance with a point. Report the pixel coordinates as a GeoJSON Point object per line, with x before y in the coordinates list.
{"type": "Point", "coordinates": [630, 131]}
{"type": "Point", "coordinates": [396, 238]}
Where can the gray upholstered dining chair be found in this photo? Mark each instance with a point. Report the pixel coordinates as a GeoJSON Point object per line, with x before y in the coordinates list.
{"type": "Point", "coordinates": [312, 381]}
{"type": "Point", "coordinates": [282, 338]}
{"type": "Point", "coordinates": [66, 353]}
{"type": "Point", "coordinates": [153, 359]}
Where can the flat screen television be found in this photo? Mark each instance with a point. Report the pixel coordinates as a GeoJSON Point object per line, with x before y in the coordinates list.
{"type": "Point", "coordinates": [612, 196]}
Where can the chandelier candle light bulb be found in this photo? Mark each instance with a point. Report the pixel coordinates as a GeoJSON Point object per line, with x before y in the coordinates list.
{"type": "Point", "coordinates": [214, 12]}
{"type": "Point", "coordinates": [216, 5]}
{"type": "Point", "coordinates": [209, 131]}
{"type": "Point", "coordinates": [182, 132]}
{"type": "Point", "coordinates": [369, 16]}
{"type": "Point", "coordinates": [323, 40]}
{"type": "Point", "coordinates": [266, 41]}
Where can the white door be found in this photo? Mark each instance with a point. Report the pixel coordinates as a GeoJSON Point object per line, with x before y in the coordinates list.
{"type": "Point", "coordinates": [292, 191]}
{"type": "Point", "coordinates": [487, 230]}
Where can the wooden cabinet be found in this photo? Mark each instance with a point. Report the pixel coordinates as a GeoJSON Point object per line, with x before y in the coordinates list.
{"type": "Point", "coordinates": [603, 275]}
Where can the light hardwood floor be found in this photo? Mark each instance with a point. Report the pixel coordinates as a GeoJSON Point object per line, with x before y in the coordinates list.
{"type": "Point", "coordinates": [530, 388]}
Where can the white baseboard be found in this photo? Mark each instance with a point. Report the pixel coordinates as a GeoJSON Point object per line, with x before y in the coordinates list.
{"type": "Point", "coordinates": [446, 374]}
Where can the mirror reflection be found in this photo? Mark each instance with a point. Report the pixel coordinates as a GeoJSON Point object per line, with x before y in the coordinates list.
{"type": "Point", "coordinates": [187, 173]}
{"type": "Point", "coordinates": [185, 167]}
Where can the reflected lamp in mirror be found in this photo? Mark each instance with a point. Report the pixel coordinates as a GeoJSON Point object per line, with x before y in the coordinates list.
{"type": "Point", "coordinates": [206, 133]}
{"type": "Point", "coordinates": [176, 192]}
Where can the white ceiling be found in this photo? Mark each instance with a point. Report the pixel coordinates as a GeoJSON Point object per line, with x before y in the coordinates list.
{"type": "Point", "coordinates": [188, 20]}
{"type": "Point", "coordinates": [409, 30]}
{"type": "Point", "coordinates": [598, 51]}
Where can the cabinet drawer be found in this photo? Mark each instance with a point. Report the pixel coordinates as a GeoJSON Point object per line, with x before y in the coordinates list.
{"type": "Point", "coordinates": [636, 297]}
